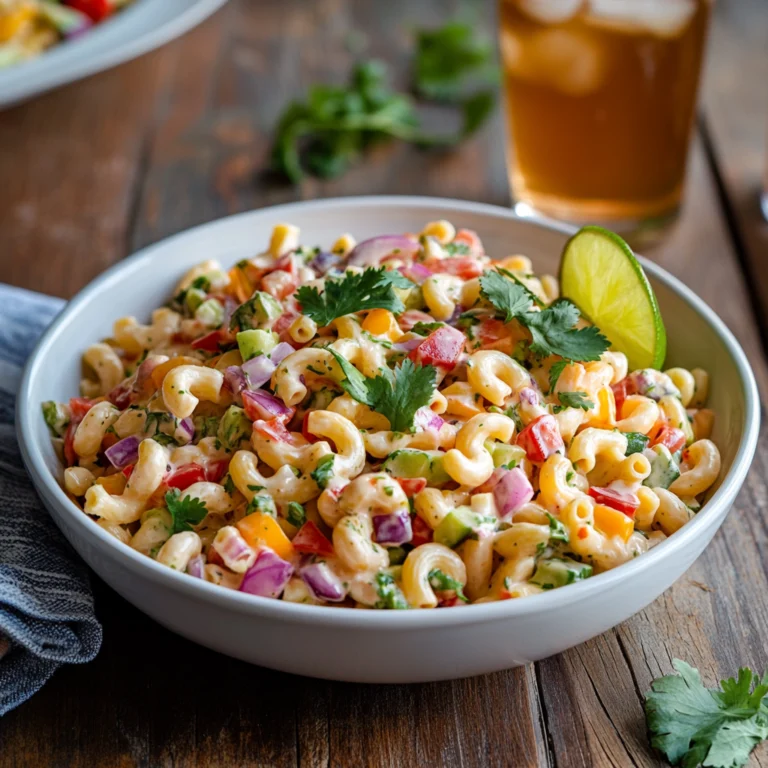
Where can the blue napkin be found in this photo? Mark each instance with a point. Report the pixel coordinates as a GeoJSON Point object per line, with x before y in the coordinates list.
{"type": "Point", "coordinates": [46, 605]}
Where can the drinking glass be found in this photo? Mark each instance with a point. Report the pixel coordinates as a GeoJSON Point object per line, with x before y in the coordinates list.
{"type": "Point", "coordinates": [600, 98]}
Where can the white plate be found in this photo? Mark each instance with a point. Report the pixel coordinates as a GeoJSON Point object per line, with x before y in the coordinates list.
{"type": "Point", "coordinates": [368, 645]}
{"type": "Point", "coordinates": [142, 26]}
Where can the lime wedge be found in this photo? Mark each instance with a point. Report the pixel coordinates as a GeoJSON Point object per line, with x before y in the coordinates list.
{"type": "Point", "coordinates": [601, 275]}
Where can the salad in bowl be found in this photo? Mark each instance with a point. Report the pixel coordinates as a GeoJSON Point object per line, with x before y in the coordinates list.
{"type": "Point", "coordinates": [403, 422]}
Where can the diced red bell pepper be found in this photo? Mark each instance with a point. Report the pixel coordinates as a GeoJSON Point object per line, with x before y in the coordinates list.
{"type": "Point", "coordinates": [120, 396]}
{"type": "Point", "coordinates": [623, 502]}
{"type": "Point", "coordinates": [79, 406]}
{"type": "Point", "coordinates": [256, 411]}
{"type": "Point", "coordinates": [471, 239]}
{"type": "Point", "coordinates": [465, 267]}
{"type": "Point", "coordinates": [310, 539]}
{"type": "Point", "coordinates": [109, 439]}
{"type": "Point", "coordinates": [671, 437]}
{"type": "Point", "coordinates": [128, 471]}
{"type": "Point", "coordinates": [448, 602]}
{"type": "Point", "coordinates": [422, 533]}
{"type": "Point", "coordinates": [69, 444]}
{"type": "Point", "coordinates": [442, 348]}
{"type": "Point", "coordinates": [308, 436]}
{"type": "Point", "coordinates": [216, 470]}
{"type": "Point", "coordinates": [284, 322]}
{"type": "Point", "coordinates": [541, 438]}
{"type": "Point", "coordinates": [621, 391]}
{"type": "Point", "coordinates": [214, 558]}
{"type": "Point", "coordinates": [184, 476]}
{"type": "Point", "coordinates": [412, 485]}
{"type": "Point", "coordinates": [210, 342]}
{"type": "Point", "coordinates": [274, 429]}
{"type": "Point", "coordinates": [96, 10]}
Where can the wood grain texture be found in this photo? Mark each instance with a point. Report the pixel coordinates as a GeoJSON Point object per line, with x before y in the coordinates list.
{"type": "Point", "coordinates": [188, 138]}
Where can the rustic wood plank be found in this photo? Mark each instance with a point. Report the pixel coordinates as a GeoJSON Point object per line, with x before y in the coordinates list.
{"type": "Point", "coordinates": [736, 121]}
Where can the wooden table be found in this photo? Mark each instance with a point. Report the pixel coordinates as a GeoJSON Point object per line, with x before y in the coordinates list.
{"type": "Point", "coordinates": [179, 137]}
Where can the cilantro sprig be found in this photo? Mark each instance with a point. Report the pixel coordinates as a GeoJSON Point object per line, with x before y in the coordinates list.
{"type": "Point", "coordinates": [552, 329]}
{"type": "Point", "coordinates": [371, 289]}
{"type": "Point", "coordinates": [574, 400]}
{"type": "Point", "coordinates": [442, 582]}
{"type": "Point", "coordinates": [185, 512]}
{"type": "Point", "coordinates": [396, 394]}
{"type": "Point", "coordinates": [693, 725]}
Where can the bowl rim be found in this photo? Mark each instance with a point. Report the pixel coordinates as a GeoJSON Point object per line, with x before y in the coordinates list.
{"type": "Point", "coordinates": [47, 486]}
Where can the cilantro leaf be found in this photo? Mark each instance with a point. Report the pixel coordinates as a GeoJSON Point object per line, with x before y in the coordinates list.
{"type": "Point", "coordinates": [397, 279]}
{"type": "Point", "coordinates": [263, 504]}
{"type": "Point", "coordinates": [186, 512]}
{"type": "Point", "coordinates": [323, 472]}
{"type": "Point", "coordinates": [555, 371]}
{"type": "Point", "coordinates": [424, 329]}
{"type": "Point", "coordinates": [507, 297]}
{"type": "Point", "coordinates": [442, 582]}
{"type": "Point", "coordinates": [447, 57]}
{"type": "Point", "coordinates": [353, 293]}
{"type": "Point", "coordinates": [456, 249]}
{"type": "Point", "coordinates": [636, 442]}
{"type": "Point", "coordinates": [396, 394]}
{"type": "Point", "coordinates": [296, 514]}
{"type": "Point", "coordinates": [557, 531]}
{"type": "Point", "coordinates": [553, 333]}
{"type": "Point", "coordinates": [575, 400]}
{"type": "Point", "coordinates": [694, 725]}
{"type": "Point", "coordinates": [389, 593]}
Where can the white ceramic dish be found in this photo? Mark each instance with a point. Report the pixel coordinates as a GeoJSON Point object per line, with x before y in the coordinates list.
{"type": "Point", "coordinates": [143, 26]}
{"type": "Point", "coordinates": [345, 643]}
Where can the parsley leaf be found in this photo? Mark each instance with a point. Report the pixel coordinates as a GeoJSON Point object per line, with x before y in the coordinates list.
{"type": "Point", "coordinates": [354, 292]}
{"type": "Point", "coordinates": [446, 57]}
{"type": "Point", "coordinates": [507, 297]}
{"type": "Point", "coordinates": [424, 329]}
{"type": "Point", "coordinates": [442, 582]}
{"type": "Point", "coordinates": [389, 593]}
{"type": "Point", "coordinates": [636, 442]}
{"type": "Point", "coordinates": [186, 512]}
{"type": "Point", "coordinates": [694, 725]}
{"type": "Point", "coordinates": [396, 394]}
{"type": "Point", "coordinates": [323, 472]}
{"type": "Point", "coordinates": [575, 400]}
{"type": "Point", "coordinates": [553, 333]}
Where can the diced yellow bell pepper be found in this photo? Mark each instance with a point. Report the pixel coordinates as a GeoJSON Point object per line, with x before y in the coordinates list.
{"type": "Point", "coordinates": [260, 528]}
{"type": "Point", "coordinates": [12, 22]}
{"type": "Point", "coordinates": [611, 522]}
{"type": "Point", "coordinates": [113, 484]}
{"type": "Point", "coordinates": [378, 321]}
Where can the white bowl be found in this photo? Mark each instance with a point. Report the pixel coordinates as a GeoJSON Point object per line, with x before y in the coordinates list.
{"type": "Point", "coordinates": [360, 645]}
{"type": "Point", "coordinates": [141, 27]}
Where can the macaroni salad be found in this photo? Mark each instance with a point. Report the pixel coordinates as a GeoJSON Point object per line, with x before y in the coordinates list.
{"type": "Point", "coordinates": [29, 27]}
{"type": "Point", "coordinates": [396, 423]}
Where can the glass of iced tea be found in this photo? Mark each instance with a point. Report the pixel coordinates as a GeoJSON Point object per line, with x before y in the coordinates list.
{"type": "Point", "coordinates": [600, 98]}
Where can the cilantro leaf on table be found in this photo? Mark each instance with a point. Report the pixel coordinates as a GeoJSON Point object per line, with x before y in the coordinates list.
{"type": "Point", "coordinates": [372, 289]}
{"type": "Point", "coordinates": [446, 58]}
{"type": "Point", "coordinates": [396, 394]}
{"type": "Point", "coordinates": [442, 582]}
{"type": "Point", "coordinates": [507, 297]}
{"type": "Point", "coordinates": [574, 400]}
{"type": "Point", "coordinates": [693, 725]}
{"type": "Point", "coordinates": [186, 512]}
{"type": "Point", "coordinates": [553, 333]}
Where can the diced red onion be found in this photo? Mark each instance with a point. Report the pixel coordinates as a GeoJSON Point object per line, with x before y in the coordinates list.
{"type": "Point", "coordinates": [371, 252]}
{"type": "Point", "coordinates": [457, 312]}
{"type": "Point", "coordinates": [188, 426]}
{"type": "Point", "coordinates": [235, 380]}
{"type": "Point", "coordinates": [265, 405]}
{"type": "Point", "coordinates": [259, 370]}
{"type": "Point", "coordinates": [323, 262]}
{"type": "Point", "coordinates": [195, 567]}
{"type": "Point", "coordinates": [268, 576]}
{"type": "Point", "coordinates": [394, 529]}
{"type": "Point", "coordinates": [417, 272]}
{"type": "Point", "coordinates": [529, 395]}
{"type": "Point", "coordinates": [512, 492]}
{"type": "Point", "coordinates": [124, 452]}
{"type": "Point", "coordinates": [323, 583]}
{"type": "Point", "coordinates": [120, 396]}
{"type": "Point", "coordinates": [408, 346]}
{"type": "Point", "coordinates": [280, 352]}
{"type": "Point", "coordinates": [427, 419]}
{"type": "Point", "coordinates": [233, 548]}
{"type": "Point", "coordinates": [492, 481]}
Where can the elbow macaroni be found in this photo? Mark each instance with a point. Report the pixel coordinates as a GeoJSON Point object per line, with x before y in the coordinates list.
{"type": "Point", "coordinates": [499, 484]}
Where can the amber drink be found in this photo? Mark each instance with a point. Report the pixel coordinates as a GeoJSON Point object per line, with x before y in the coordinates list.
{"type": "Point", "coordinates": [600, 97]}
